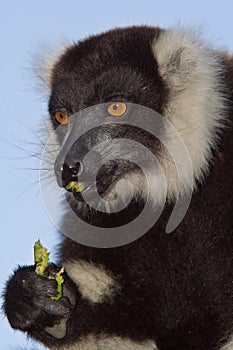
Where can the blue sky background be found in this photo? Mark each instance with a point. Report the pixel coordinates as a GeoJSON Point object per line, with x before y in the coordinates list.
{"type": "Point", "coordinates": [24, 27]}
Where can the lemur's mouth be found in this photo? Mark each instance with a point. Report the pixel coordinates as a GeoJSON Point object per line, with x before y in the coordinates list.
{"type": "Point", "coordinates": [81, 189]}
{"type": "Point", "coordinates": [87, 191]}
{"type": "Point", "coordinates": [75, 186]}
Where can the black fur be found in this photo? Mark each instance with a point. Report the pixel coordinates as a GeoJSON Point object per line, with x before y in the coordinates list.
{"type": "Point", "coordinates": [102, 68]}
{"type": "Point", "coordinates": [174, 288]}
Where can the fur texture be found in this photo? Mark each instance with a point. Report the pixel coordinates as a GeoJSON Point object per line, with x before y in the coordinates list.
{"type": "Point", "coordinates": [193, 74]}
{"type": "Point", "coordinates": [94, 282]}
{"type": "Point", "coordinates": [114, 343]}
{"type": "Point", "coordinates": [228, 345]}
{"type": "Point", "coordinates": [46, 62]}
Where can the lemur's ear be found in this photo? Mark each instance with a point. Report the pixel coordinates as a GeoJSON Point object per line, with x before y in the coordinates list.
{"type": "Point", "coordinates": [193, 73]}
{"type": "Point", "coordinates": [184, 59]}
{"type": "Point", "coordinates": [46, 61]}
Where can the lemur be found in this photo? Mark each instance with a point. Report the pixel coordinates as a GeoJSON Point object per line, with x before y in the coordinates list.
{"type": "Point", "coordinates": [161, 291]}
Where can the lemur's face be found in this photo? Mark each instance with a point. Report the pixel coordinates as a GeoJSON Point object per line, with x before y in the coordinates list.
{"type": "Point", "coordinates": [105, 71]}
{"type": "Point", "coordinates": [138, 65]}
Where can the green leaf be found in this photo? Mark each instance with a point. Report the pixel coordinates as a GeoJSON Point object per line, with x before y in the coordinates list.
{"type": "Point", "coordinates": [60, 281]}
{"type": "Point", "coordinates": [77, 186]}
{"type": "Point", "coordinates": [41, 258]}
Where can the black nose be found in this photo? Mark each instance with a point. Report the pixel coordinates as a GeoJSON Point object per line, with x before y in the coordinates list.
{"type": "Point", "coordinates": [70, 172]}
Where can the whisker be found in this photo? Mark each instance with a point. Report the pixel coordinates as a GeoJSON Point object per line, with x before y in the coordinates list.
{"type": "Point", "coordinates": [30, 153]}
{"type": "Point", "coordinates": [35, 183]}
{"type": "Point", "coordinates": [33, 169]}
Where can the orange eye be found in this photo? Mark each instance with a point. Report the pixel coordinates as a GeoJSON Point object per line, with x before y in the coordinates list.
{"type": "Point", "coordinates": [61, 118]}
{"type": "Point", "coordinates": [117, 109]}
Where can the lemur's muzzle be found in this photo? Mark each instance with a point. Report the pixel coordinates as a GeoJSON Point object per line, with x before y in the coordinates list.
{"type": "Point", "coordinates": [83, 155]}
{"type": "Point", "coordinates": [76, 170]}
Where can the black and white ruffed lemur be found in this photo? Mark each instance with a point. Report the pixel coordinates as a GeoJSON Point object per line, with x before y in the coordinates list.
{"type": "Point", "coordinates": [163, 291]}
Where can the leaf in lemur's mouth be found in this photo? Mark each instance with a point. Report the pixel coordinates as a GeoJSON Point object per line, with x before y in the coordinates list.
{"type": "Point", "coordinates": [41, 261]}
{"type": "Point", "coordinates": [75, 185]}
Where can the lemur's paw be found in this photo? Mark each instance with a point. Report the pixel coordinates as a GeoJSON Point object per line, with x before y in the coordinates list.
{"type": "Point", "coordinates": [28, 304]}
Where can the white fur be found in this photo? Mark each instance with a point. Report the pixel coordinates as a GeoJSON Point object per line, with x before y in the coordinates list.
{"type": "Point", "coordinates": [95, 283]}
{"type": "Point", "coordinates": [196, 105]}
{"type": "Point", "coordinates": [228, 345]}
{"type": "Point", "coordinates": [46, 62]}
{"type": "Point", "coordinates": [152, 187]}
{"type": "Point", "coordinates": [109, 343]}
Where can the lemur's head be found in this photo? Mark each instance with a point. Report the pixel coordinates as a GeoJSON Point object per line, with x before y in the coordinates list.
{"type": "Point", "coordinates": [168, 71]}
